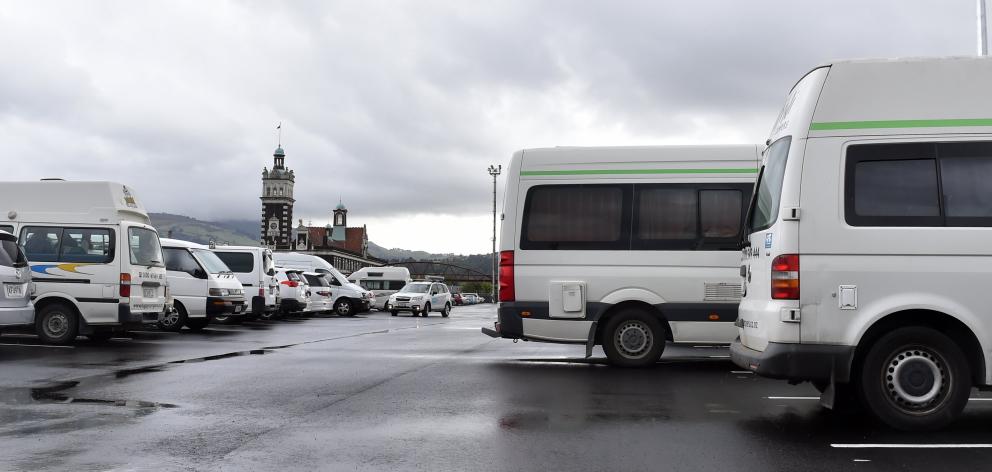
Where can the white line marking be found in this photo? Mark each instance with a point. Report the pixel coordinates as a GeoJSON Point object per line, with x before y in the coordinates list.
{"type": "Point", "coordinates": [912, 446]}
{"type": "Point", "coordinates": [741, 372]}
{"type": "Point", "coordinates": [719, 357]}
{"type": "Point", "coordinates": [37, 345]}
{"type": "Point", "coordinates": [793, 398]}
{"type": "Point", "coordinates": [862, 460]}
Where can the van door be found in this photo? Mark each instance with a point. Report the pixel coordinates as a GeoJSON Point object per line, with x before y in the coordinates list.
{"type": "Point", "coordinates": [142, 255]}
{"type": "Point", "coordinates": [187, 281]}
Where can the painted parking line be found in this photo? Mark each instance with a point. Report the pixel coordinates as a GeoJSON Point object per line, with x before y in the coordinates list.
{"type": "Point", "coordinates": [793, 398]}
{"type": "Point", "coordinates": [741, 372]}
{"type": "Point", "coordinates": [912, 446]}
{"type": "Point", "coordinates": [38, 345]}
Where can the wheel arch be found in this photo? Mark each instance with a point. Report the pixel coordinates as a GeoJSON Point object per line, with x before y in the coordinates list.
{"type": "Point", "coordinates": [944, 323]}
{"type": "Point", "coordinates": [631, 304]}
{"type": "Point", "coordinates": [51, 298]}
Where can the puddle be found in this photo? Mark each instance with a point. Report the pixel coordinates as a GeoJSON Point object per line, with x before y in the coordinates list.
{"type": "Point", "coordinates": [54, 394]}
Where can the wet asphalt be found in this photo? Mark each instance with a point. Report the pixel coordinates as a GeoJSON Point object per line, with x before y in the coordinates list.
{"type": "Point", "coordinates": [376, 392]}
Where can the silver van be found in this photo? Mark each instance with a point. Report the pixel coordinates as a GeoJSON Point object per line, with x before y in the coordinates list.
{"type": "Point", "coordinates": [16, 308]}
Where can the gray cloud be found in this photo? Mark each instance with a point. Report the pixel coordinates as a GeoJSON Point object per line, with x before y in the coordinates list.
{"type": "Point", "coordinates": [179, 99]}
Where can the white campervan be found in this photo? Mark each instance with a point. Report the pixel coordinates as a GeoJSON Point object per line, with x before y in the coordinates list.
{"type": "Point", "coordinates": [348, 298]}
{"type": "Point", "coordinates": [253, 266]}
{"type": "Point", "coordinates": [623, 246]}
{"type": "Point", "coordinates": [382, 281]}
{"type": "Point", "coordinates": [866, 260]}
{"type": "Point", "coordinates": [95, 258]}
{"type": "Point", "coordinates": [201, 285]}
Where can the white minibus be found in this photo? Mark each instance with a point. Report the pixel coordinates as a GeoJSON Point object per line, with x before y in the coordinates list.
{"type": "Point", "coordinates": [254, 268]}
{"type": "Point", "coordinates": [95, 258]}
{"type": "Point", "coordinates": [382, 281]}
{"type": "Point", "coordinates": [866, 258]}
{"type": "Point", "coordinates": [347, 298]}
{"type": "Point", "coordinates": [627, 247]}
{"type": "Point", "coordinates": [201, 285]}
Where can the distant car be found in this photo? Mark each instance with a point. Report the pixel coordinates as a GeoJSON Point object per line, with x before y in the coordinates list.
{"type": "Point", "coordinates": [471, 298]}
{"type": "Point", "coordinates": [421, 298]}
{"type": "Point", "coordinates": [320, 292]}
{"type": "Point", "coordinates": [456, 298]}
{"type": "Point", "coordinates": [16, 308]}
{"type": "Point", "coordinates": [292, 290]}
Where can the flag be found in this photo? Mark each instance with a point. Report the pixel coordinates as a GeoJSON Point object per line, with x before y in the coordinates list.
{"type": "Point", "coordinates": [280, 125]}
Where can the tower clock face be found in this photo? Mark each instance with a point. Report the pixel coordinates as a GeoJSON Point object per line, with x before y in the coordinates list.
{"type": "Point", "coordinates": [274, 225]}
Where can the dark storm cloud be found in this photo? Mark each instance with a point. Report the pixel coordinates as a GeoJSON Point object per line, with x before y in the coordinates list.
{"type": "Point", "coordinates": [400, 106]}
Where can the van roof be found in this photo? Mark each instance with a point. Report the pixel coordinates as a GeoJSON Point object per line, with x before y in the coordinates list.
{"type": "Point", "coordinates": [169, 242]}
{"type": "Point", "coordinates": [239, 248]}
{"type": "Point", "coordinates": [939, 94]}
{"type": "Point", "coordinates": [58, 201]}
{"type": "Point", "coordinates": [639, 161]}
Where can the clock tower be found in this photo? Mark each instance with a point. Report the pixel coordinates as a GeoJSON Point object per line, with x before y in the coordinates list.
{"type": "Point", "coordinates": [277, 204]}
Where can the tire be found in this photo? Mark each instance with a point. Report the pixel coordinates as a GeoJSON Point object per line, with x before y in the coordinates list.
{"type": "Point", "coordinates": [915, 379]}
{"type": "Point", "coordinates": [447, 310]}
{"type": "Point", "coordinates": [57, 323]}
{"type": "Point", "coordinates": [633, 338]}
{"type": "Point", "coordinates": [197, 324]}
{"type": "Point", "coordinates": [344, 307]}
{"type": "Point", "coordinates": [394, 312]}
{"type": "Point", "coordinates": [173, 322]}
{"type": "Point", "coordinates": [427, 310]}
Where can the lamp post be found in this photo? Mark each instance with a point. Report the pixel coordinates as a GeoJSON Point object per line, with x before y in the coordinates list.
{"type": "Point", "coordinates": [983, 46]}
{"type": "Point", "coordinates": [494, 171]}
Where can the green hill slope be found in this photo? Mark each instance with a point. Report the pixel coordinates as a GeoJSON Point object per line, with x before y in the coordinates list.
{"type": "Point", "coordinates": [191, 229]}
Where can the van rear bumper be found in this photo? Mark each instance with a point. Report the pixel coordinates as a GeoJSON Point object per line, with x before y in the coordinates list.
{"type": "Point", "coordinates": [800, 362]}
{"type": "Point", "coordinates": [128, 318]}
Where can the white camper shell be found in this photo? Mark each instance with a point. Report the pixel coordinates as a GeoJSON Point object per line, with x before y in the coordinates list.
{"type": "Point", "coordinates": [201, 285]}
{"type": "Point", "coordinates": [95, 258]}
{"type": "Point", "coordinates": [623, 246]}
{"type": "Point", "coordinates": [866, 261]}
{"type": "Point", "coordinates": [381, 281]}
{"type": "Point", "coordinates": [347, 298]}
{"type": "Point", "coordinates": [255, 269]}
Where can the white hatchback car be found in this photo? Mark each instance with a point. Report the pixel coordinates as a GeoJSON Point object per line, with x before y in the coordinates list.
{"type": "Point", "coordinates": [292, 290]}
{"type": "Point", "coordinates": [421, 298]}
{"type": "Point", "coordinates": [320, 292]}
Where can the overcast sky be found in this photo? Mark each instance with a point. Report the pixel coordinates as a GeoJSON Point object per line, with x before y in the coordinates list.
{"type": "Point", "coordinates": [398, 107]}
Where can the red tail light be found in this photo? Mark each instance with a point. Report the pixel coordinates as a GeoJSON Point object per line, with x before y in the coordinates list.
{"type": "Point", "coordinates": [506, 286]}
{"type": "Point", "coordinates": [290, 283]}
{"type": "Point", "coordinates": [125, 285]}
{"type": "Point", "coordinates": [785, 277]}
{"type": "Point", "coordinates": [261, 291]}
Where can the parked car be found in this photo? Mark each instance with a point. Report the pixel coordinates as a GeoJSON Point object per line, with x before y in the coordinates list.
{"type": "Point", "coordinates": [201, 285]}
{"type": "Point", "coordinates": [320, 292]}
{"type": "Point", "coordinates": [471, 298]}
{"type": "Point", "coordinates": [253, 266]}
{"type": "Point", "coordinates": [292, 291]}
{"type": "Point", "coordinates": [95, 252]}
{"type": "Point", "coordinates": [16, 308]}
{"type": "Point", "coordinates": [456, 299]}
{"type": "Point", "coordinates": [421, 298]}
{"type": "Point", "coordinates": [349, 298]}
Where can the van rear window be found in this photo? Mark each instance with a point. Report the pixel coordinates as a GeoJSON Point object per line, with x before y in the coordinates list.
{"type": "Point", "coordinates": [243, 262]}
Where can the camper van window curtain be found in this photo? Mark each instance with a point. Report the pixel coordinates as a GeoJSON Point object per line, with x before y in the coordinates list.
{"type": "Point", "coordinates": [575, 217]}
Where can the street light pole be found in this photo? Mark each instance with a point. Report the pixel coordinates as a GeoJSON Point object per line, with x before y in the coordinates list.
{"type": "Point", "coordinates": [983, 31]}
{"type": "Point", "coordinates": [494, 171]}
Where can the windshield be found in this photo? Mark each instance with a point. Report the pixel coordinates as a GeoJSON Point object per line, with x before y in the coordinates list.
{"type": "Point", "coordinates": [768, 194]}
{"type": "Point", "coordinates": [416, 288]}
{"type": "Point", "coordinates": [210, 261]}
{"type": "Point", "coordinates": [145, 248]}
{"type": "Point", "coordinates": [10, 254]}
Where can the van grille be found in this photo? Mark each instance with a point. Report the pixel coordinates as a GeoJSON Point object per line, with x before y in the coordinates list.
{"type": "Point", "coordinates": [722, 292]}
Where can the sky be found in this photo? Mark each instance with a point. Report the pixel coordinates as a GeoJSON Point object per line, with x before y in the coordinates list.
{"type": "Point", "coordinates": [397, 108]}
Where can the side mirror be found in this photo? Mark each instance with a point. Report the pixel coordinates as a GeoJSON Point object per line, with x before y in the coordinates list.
{"type": "Point", "coordinates": [199, 273]}
{"type": "Point", "coordinates": [271, 272]}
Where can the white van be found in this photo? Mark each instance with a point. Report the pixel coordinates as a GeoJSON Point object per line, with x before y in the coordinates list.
{"type": "Point", "coordinates": [866, 261]}
{"type": "Point", "coordinates": [348, 298]}
{"type": "Point", "coordinates": [95, 258]}
{"type": "Point", "coordinates": [623, 246]}
{"type": "Point", "coordinates": [382, 281]}
{"type": "Point", "coordinates": [255, 270]}
{"type": "Point", "coordinates": [201, 285]}
{"type": "Point", "coordinates": [16, 308]}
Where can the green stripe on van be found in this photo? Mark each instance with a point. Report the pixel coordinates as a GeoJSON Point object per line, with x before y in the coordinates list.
{"type": "Point", "coordinates": [743, 170]}
{"type": "Point", "coordinates": [950, 123]}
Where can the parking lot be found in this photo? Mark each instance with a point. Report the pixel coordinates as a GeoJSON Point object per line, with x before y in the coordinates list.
{"type": "Point", "coordinates": [377, 392]}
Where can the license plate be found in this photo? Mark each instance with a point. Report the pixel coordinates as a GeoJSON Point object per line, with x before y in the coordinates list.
{"type": "Point", "coordinates": [402, 305]}
{"type": "Point", "coordinates": [14, 290]}
{"type": "Point", "coordinates": [148, 292]}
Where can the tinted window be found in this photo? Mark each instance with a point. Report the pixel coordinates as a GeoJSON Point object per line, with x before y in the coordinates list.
{"type": "Point", "coordinates": [395, 285]}
{"type": "Point", "coordinates": [7, 228]}
{"type": "Point", "coordinates": [41, 244]}
{"type": "Point", "coordinates": [315, 280]}
{"type": "Point", "coordinates": [768, 192]}
{"type": "Point", "coordinates": [87, 245]}
{"type": "Point", "coordinates": [238, 261]}
{"type": "Point", "coordinates": [179, 260]}
{"type": "Point", "coordinates": [576, 217]}
{"type": "Point", "coordinates": [10, 254]}
{"type": "Point", "coordinates": [666, 213]}
{"type": "Point", "coordinates": [965, 173]}
{"type": "Point", "coordinates": [720, 213]}
{"type": "Point", "coordinates": [896, 188]}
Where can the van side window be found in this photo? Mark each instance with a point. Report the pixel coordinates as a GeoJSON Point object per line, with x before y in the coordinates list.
{"type": "Point", "coordinates": [567, 217]}
{"type": "Point", "coordinates": [41, 244]}
{"type": "Point", "coordinates": [720, 213]}
{"type": "Point", "coordinates": [688, 217]}
{"type": "Point", "coordinates": [666, 212]}
{"type": "Point", "coordinates": [179, 260]}
{"type": "Point", "coordinates": [243, 262]}
{"type": "Point", "coordinates": [86, 245]}
{"type": "Point", "coordinates": [919, 184]}
{"type": "Point", "coordinates": [395, 285]}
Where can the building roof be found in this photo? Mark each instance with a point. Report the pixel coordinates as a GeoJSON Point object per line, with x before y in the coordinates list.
{"type": "Point", "coordinates": [279, 152]}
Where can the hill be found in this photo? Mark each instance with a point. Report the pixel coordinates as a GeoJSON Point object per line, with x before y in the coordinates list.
{"type": "Point", "coordinates": [191, 229]}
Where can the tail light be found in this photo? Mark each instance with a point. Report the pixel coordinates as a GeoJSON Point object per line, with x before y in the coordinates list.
{"type": "Point", "coordinates": [785, 277]}
{"type": "Point", "coordinates": [125, 285]}
{"type": "Point", "coordinates": [261, 291]}
{"type": "Point", "coordinates": [290, 283]}
{"type": "Point", "coordinates": [506, 286]}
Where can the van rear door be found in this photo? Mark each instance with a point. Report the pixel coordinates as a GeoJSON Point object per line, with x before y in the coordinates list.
{"type": "Point", "coordinates": [146, 270]}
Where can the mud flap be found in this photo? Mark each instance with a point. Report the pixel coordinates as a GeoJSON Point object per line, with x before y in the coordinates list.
{"type": "Point", "coordinates": [828, 398]}
{"type": "Point", "coordinates": [591, 342]}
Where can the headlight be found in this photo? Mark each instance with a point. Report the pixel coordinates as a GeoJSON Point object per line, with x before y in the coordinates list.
{"type": "Point", "coordinates": [417, 299]}
{"type": "Point", "coordinates": [235, 291]}
{"type": "Point", "coordinates": [217, 292]}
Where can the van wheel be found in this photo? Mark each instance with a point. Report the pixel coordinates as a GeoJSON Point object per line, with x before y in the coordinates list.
{"type": "Point", "coordinates": [447, 310]}
{"type": "Point", "coordinates": [343, 307]}
{"type": "Point", "coordinates": [633, 338]}
{"type": "Point", "coordinates": [197, 324]}
{"type": "Point", "coordinates": [915, 379]}
{"type": "Point", "coordinates": [174, 321]}
{"type": "Point", "coordinates": [57, 323]}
